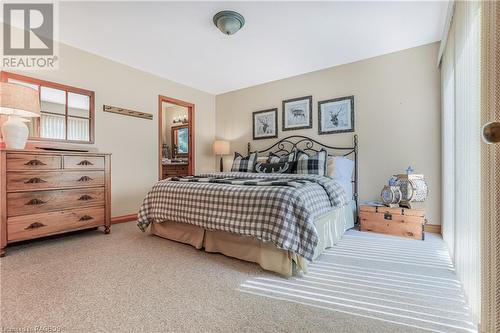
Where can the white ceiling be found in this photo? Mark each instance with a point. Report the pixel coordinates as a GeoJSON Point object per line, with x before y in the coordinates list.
{"type": "Point", "coordinates": [178, 41]}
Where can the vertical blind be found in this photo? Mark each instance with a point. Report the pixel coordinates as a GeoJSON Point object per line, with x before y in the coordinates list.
{"type": "Point", "coordinates": [461, 70]}
{"type": "Point", "coordinates": [54, 127]}
{"type": "Point", "coordinates": [448, 141]}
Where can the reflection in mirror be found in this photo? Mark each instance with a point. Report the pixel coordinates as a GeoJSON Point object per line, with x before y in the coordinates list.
{"type": "Point", "coordinates": [66, 112]}
{"type": "Point", "coordinates": [78, 129]}
{"type": "Point", "coordinates": [52, 100]}
{"type": "Point", "coordinates": [52, 120]}
{"type": "Point", "coordinates": [31, 123]}
{"type": "Point", "coordinates": [180, 141]}
{"type": "Point", "coordinates": [22, 83]}
{"type": "Point", "coordinates": [52, 126]}
{"type": "Point", "coordinates": [78, 105]}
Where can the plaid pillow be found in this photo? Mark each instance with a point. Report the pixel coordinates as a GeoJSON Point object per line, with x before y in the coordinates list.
{"type": "Point", "coordinates": [311, 165]}
{"type": "Point", "coordinates": [244, 164]}
{"type": "Point", "coordinates": [274, 158]}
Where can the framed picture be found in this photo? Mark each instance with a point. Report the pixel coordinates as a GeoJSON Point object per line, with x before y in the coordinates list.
{"type": "Point", "coordinates": [265, 124]}
{"type": "Point", "coordinates": [336, 115]}
{"type": "Point", "coordinates": [297, 113]}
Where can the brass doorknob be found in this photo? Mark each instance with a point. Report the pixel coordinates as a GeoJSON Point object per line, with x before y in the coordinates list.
{"type": "Point", "coordinates": [491, 132]}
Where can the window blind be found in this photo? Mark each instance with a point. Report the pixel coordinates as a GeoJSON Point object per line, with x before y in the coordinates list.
{"type": "Point", "coordinates": [461, 70]}
{"type": "Point", "coordinates": [448, 141]}
{"type": "Point", "coordinates": [54, 127]}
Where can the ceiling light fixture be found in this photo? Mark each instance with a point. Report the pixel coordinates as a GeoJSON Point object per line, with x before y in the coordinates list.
{"type": "Point", "coordinates": [229, 22]}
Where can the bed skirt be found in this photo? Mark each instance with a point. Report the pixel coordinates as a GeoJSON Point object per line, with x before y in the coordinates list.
{"type": "Point", "coordinates": [330, 227]}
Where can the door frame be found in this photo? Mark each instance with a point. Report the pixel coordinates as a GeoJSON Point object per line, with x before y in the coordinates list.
{"type": "Point", "coordinates": [191, 108]}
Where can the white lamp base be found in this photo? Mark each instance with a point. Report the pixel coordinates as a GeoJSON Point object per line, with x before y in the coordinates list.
{"type": "Point", "coordinates": [15, 133]}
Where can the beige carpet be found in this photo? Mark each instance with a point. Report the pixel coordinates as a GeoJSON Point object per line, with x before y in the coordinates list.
{"type": "Point", "coordinates": [129, 281]}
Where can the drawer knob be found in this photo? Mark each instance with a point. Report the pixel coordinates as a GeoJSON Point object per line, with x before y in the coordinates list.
{"type": "Point", "coordinates": [85, 197]}
{"type": "Point", "coordinates": [85, 162]}
{"type": "Point", "coordinates": [34, 162]}
{"type": "Point", "coordinates": [35, 225]}
{"type": "Point", "coordinates": [35, 202]}
{"type": "Point", "coordinates": [85, 179]}
{"type": "Point", "coordinates": [85, 218]}
{"type": "Point", "coordinates": [35, 180]}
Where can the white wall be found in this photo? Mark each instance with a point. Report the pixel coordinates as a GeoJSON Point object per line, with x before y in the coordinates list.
{"type": "Point", "coordinates": [397, 115]}
{"type": "Point", "coordinates": [132, 141]}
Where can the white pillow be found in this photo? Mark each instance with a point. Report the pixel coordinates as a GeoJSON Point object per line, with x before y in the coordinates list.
{"type": "Point", "coordinates": [347, 185]}
{"type": "Point", "coordinates": [339, 167]}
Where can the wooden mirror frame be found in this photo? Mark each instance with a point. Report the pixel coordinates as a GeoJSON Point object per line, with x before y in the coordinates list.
{"type": "Point", "coordinates": [173, 131]}
{"type": "Point", "coordinates": [5, 76]}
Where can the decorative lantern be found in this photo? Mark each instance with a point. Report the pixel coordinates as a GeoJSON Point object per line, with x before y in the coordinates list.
{"type": "Point", "coordinates": [391, 195]}
{"type": "Point", "coordinates": [413, 188]}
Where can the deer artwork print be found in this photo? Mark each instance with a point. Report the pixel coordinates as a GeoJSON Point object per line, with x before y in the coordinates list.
{"type": "Point", "coordinates": [298, 113]}
{"type": "Point", "coordinates": [265, 124]}
{"type": "Point", "coordinates": [336, 115]}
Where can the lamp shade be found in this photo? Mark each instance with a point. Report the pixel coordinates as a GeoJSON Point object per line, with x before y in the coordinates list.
{"type": "Point", "coordinates": [221, 147]}
{"type": "Point", "coordinates": [19, 100]}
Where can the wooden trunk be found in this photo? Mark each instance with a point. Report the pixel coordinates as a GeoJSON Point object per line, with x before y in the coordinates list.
{"type": "Point", "coordinates": [398, 221]}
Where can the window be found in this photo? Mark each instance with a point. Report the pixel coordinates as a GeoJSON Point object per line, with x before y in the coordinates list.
{"type": "Point", "coordinates": [67, 113]}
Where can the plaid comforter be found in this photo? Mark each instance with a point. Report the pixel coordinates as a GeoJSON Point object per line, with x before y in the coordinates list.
{"type": "Point", "coordinates": [283, 215]}
{"type": "Point", "coordinates": [261, 181]}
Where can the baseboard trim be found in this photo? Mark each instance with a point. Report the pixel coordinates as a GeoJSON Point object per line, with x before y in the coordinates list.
{"type": "Point", "coordinates": [123, 218]}
{"type": "Point", "coordinates": [434, 228]}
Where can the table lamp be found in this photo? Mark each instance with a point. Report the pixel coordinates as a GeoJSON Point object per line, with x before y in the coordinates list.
{"type": "Point", "coordinates": [17, 102]}
{"type": "Point", "coordinates": [221, 147]}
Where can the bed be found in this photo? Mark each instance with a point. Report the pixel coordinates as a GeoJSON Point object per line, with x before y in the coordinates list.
{"type": "Point", "coordinates": [280, 221]}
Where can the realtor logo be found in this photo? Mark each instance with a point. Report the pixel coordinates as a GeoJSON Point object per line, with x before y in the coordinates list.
{"type": "Point", "coordinates": [28, 36]}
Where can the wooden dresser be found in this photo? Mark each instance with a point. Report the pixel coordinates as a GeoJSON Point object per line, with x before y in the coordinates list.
{"type": "Point", "coordinates": [46, 192]}
{"type": "Point", "coordinates": [174, 170]}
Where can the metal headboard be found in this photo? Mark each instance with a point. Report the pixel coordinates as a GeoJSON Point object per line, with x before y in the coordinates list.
{"type": "Point", "coordinates": [286, 145]}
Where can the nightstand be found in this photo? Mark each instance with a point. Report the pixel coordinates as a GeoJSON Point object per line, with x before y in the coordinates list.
{"type": "Point", "coordinates": [403, 222]}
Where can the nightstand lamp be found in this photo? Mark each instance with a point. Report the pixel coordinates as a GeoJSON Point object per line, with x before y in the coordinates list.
{"type": "Point", "coordinates": [221, 147]}
{"type": "Point", "coordinates": [17, 101]}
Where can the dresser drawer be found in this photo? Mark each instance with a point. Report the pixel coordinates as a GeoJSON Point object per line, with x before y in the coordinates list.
{"type": "Point", "coordinates": [36, 180]}
{"type": "Point", "coordinates": [23, 203]}
{"type": "Point", "coordinates": [33, 162]}
{"type": "Point", "coordinates": [31, 226]}
{"type": "Point", "coordinates": [83, 162]}
{"type": "Point", "coordinates": [172, 170]}
{"type": "Point", "coordinates": [176, 167]}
